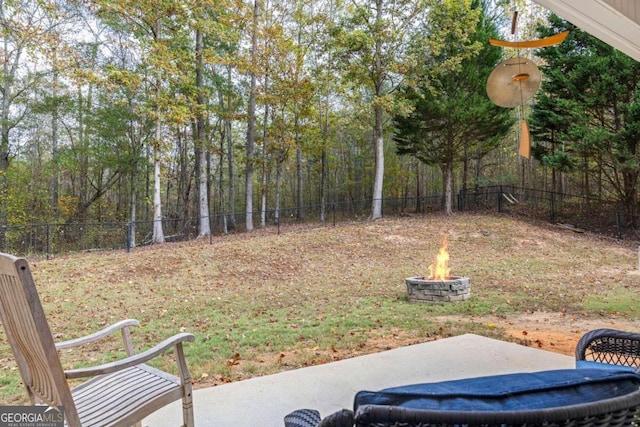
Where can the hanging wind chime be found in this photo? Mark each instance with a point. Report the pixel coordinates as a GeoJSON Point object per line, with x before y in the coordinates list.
{"type": "Point", "coordinates": [515, 80]}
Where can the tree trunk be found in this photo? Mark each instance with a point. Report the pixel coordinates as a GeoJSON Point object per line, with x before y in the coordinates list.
{"type": "Point", "coordinates": [323, 184]}
{"type": "Point", "coordinates": [231, 209]}
{"type": "Point", "coordinates": [221, 183]}
{"type": "Point", "coordinates": [478, 172]}
{"type": "Point", "coordinates": [263, 190]}
{"type": "Point", "coordinates": [418, 189]}
{"type": "Point", "coordinates": [158, 233]}
{"type": "Point", "coordinates": [251, 137]}
{"type": "Point", "coordinates": [585, 175]}
{"type": "Point", "coordinates": [299, 197]}
{"type": "Point", "coordinates": [9, 66]}
{"type": "Point", "coordinates": [203, 193]}
{"type": "Point", "coordinates": [132, 214]}
{"type": "Point", "coordinates": [324, 131]}
{"type": "Point", "coordinates": [277, 195]}
{"type": "Point", "coordinates": [447, 171]}
{"type": "Point", "coordinates": [376, 210]}
{"type": "Point", "coordinates": [83, 156]}
{"type": "Point", "coordinates": [630, 185]}
{"type": "Point", "coordinates": [230, 218]}
{"type": "Point", "coordinates": [54, 145]}
{"type": "Point", "coordinates": [465, 167]}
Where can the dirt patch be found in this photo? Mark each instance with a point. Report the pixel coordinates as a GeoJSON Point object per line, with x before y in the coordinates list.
{"type": "Point", "coordinates": [556, 332]}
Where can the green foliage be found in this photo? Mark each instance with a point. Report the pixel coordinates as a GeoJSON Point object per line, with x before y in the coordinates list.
{"type": "Point", "coordinates": [27, 201]}
{"type": "Point", "coordinates": [586, 114]}
{"type": "Point", "coordinates": [560, 161]}
{"type": "Point", "coordinates": [357, 40]}
{"type": "Point", "coordinates": [372, 45]}
{"type": "Point", "coordinates": [322, 68]}
{"type": "Point", "coordinates": [452, 118]}
{"type": "Point", "coordinates": [451, 111]}
{"type": "Point", "coordinates": [451, 35]}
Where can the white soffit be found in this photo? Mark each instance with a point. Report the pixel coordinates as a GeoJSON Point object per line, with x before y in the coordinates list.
{"type": "Point", "coordinates": [615, 22]}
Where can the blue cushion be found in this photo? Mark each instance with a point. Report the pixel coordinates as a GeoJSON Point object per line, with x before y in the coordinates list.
{"type": "Point", "coordinates": [520, 391]}
{"type": "Point", "coordinates": [589, 364]}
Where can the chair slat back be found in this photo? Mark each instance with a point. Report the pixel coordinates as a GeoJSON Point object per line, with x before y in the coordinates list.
{"type": "Point", "coordinates": [29, 335]}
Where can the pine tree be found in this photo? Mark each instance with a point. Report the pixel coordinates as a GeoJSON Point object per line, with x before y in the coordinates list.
{"type": "Point", "coordinates": [452, 115]}
{"type": "Point", "coordinates": [586, 115]}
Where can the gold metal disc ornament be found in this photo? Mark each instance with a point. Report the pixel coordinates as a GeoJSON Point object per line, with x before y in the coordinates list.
{"type": "Point", "coordinates": [513, 82]}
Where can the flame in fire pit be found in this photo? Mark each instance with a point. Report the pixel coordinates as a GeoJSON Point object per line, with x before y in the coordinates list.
{"type": "Point", "coordinates": [440, 271]}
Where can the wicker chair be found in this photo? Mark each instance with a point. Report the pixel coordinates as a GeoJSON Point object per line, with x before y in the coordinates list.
{"type": "Point", "coordinates": [608, 346]}
{"type": "Point", "coordinates": [311, 418]}
{"type": "Point", "coordinates": [567, 398]}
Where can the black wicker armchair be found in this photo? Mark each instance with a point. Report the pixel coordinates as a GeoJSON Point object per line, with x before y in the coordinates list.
{"type": "Point", "coordinates": [608, 346]}
{"type": "Point", "coordinates": [311, 418]}
{"type": "Point", "coordinates": [564, 398]}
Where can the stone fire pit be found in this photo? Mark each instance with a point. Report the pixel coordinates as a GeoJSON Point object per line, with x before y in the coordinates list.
{"type": "Point", "coordinates": [423, 289]}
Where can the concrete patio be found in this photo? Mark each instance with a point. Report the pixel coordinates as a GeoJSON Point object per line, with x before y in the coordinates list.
{"type": "Point", "coordinates": [264, 401]}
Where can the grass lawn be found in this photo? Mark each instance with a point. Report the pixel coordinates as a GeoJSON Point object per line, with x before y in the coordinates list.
{"type": "Point", "coordinates": [260, 302]}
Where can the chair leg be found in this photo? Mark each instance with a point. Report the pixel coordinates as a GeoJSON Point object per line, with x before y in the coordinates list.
{"type": "Point", "coordinates": [187, 407]}
{"type": "Point", "coordinates": [187, 389]}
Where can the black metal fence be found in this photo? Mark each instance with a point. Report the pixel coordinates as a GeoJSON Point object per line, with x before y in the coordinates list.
{"type": "Point", "coordinates": [571, 211]}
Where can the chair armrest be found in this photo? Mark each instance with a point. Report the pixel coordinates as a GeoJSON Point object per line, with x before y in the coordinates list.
{"type": "Point", "coordinates": [175, 341]}
{"type": "Point", "coordinates": [609, 346]}
{"type": "Point", "coordinates": [123, 325]}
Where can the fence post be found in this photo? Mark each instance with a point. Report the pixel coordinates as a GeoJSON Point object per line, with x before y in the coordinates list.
{"type": "Point", "coordinates": [619, 230]}
{"type": "Point", "coordinates": [500, 200]}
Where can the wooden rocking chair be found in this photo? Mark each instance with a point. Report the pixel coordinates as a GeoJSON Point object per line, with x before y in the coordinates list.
{"type": "Point", "coordinates": [120, 393]}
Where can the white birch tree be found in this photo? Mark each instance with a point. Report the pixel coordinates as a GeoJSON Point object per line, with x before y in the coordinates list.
{"type": "Point", "coordinates": [373, 46]}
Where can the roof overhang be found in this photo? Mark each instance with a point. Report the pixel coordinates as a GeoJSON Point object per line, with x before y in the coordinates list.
{"type": "Point", "coordinates": [616, 22]}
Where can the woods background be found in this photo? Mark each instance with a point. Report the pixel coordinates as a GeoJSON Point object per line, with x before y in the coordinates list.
{"type": "Point", "coordinates": [147, 111]}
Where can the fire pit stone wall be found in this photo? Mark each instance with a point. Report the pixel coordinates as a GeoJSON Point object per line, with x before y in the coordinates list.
{"type": "Point", "coordinates": [422, 289]}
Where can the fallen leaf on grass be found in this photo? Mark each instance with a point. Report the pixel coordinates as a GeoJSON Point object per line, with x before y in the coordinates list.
{"type": "Point", "coordinates": [232, 361]}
